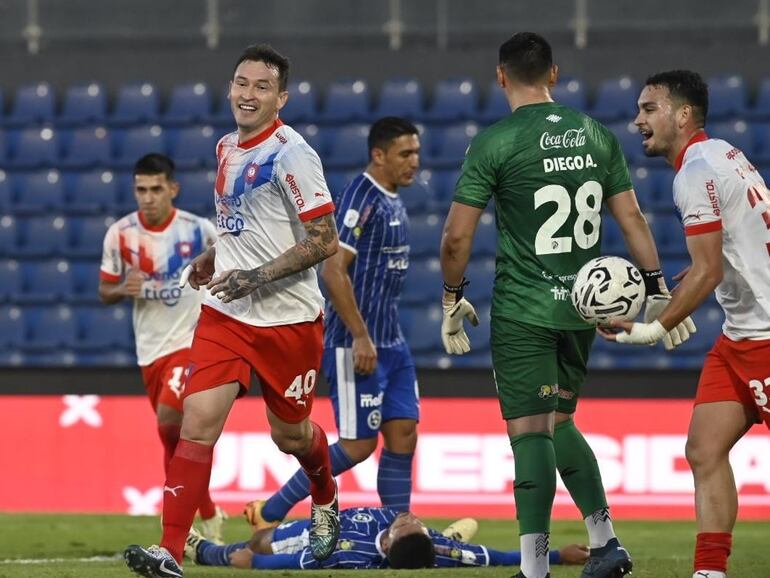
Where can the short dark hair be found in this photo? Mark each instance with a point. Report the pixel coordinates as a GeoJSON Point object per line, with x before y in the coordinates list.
{"type": "Point", "coordinates": [271, 57]}
{"type": "Point", "coordinates": [386, 129]}
{"type": "Point", "coordinates": [686, 87]}
{"type": "Point", "coordinates": [526, 57]}
{"type": "Point", "coordinates": [155, 164]}
{"type": "Point", "coordinates": [412, 551]}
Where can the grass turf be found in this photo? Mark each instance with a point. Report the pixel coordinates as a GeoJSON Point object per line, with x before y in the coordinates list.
{"type": "Point", "coordinates": [659, 549]}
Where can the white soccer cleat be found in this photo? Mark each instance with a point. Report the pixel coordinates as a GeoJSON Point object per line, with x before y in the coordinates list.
{"type": "Point", "coordinates": [462, 530]}
{"type": "Point", "coordinates": [194, 538]}
{"type": "Point", "coordinates": [211, 529]}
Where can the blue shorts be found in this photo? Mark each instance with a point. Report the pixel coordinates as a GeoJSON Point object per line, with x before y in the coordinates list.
{"type": "Point", "coordinates": [362, 402]}
{"type": "Point", "coordinates": [291, 537]}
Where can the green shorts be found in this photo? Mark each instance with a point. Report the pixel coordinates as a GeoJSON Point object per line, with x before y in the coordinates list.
{"type": "Point", "coordinates": [537, 369]}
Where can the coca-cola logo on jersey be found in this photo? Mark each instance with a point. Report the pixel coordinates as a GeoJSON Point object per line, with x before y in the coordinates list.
{"type": "Point", "coordinates": [569, 139]}
{"type": "Point", "coordinates": [296, 193]}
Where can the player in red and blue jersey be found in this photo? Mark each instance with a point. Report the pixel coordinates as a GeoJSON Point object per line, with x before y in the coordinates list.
{"type": "Point", "coordinates": [366, 359]}
{"type": "Point", "coordinates": [143, 256]}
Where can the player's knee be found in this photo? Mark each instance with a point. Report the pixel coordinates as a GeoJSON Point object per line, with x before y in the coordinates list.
{"type": "Point", "coordinates": [359, 450]}
{"type": "Point", "coordinates": [291, 443]}
{"type": "Point", "coordinates": [702, 455]}
{"type": "Point", "coordinates": [201, 427]}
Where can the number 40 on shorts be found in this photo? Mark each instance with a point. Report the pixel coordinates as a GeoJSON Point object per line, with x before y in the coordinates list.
{"type": "Point", "coordinates": [301, 385]}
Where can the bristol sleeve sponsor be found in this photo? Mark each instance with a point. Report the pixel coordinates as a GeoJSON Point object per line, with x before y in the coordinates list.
{"type": "Point", "coordinates": [301, 178]}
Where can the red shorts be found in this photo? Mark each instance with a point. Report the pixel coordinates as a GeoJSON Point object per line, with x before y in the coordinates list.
{"type": "Point", "coordinates": [286, 359]}
{"type": "Point", "coordinates": [738, 371]}
{"type": "Point", "coordinates": [164, 379]}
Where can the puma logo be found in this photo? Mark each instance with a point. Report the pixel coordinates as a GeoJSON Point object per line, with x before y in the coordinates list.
{"type": "Point", "coordinates": [301, 402]}
{"type": "Point", "coordinates": [172, 490]}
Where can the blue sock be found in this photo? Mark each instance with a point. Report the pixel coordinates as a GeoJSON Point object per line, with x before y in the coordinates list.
{"type": "Point", "coordinates": [210, 554]}
{"type": "Point", "coordinates": [394, 480]}
{"type": "Point", "coordinates": [298, 487]}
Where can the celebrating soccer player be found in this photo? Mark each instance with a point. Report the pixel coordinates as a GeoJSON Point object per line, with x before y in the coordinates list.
{"type": "Point", "coordinates": [550, 170]}
{"type": "Point", "coordinates": [262, 309]}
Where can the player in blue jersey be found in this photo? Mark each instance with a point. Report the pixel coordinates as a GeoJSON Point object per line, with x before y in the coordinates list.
{"type": "Point", "coordinates": [366, 359]}
{"type": "Point", "coordinates": [370, 538]}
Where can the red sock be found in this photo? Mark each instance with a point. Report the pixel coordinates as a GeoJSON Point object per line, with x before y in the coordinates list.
{"type": "Point", "coordinates": [187, 480]}
{"type": "Point", "coordinates": [169, 436]}
{"type": "Point", "coordinates": [712, 550]}
{"type": "Point", "coordinates": [207, 507]}
{"type": "Point", "coordinates": [318, 468]}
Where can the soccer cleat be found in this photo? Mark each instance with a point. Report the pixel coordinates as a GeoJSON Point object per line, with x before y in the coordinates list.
{"type": "Point", "coordinates": [191, 543]}
{"type": "Point", "coordinates": [610, 561]}
{"type": "Point", "coordinates": [461, 530]}
{"type": "Point", "coordinates": [253, 513]}
{"type": "Point", "coordinates": [152, 562]}
{"type": "Point", "coordinates": [211, 529]}
{"type": "Point", "coordinates": [324, 529]}
{"type": "Point", "coordinates": [521, 575]}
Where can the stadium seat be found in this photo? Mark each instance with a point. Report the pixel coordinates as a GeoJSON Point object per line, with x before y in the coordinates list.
{"type": "Point", "coordinates": [50, 328]}
{"type": "Point", "coordinates": [4, 149]}
{"type": "Point", "coordinates": [612, 238]}
{"type": "Point", "coordinates": [46, 281]}
{"type": "Point", "coordinates": [481, 274]}
{"type": "Point", "coordinates": [663, 199]}
{"type": "Point", "coordinates": [33, 103]}
{"type": "Point", "coordinates": [84, 103]}
{"type": "Point", "coordinates": [453, 99]}
{"type": "Point", "coordinates": [88, 147]}
{"type": "Point", "coordinates": [762, 145]}
{"type": "Point", "coordinates": [450, 143]}
{"type": "Point", "coordinates": [302, 105]}
{"type": "Point", "coordinates": [12, 283]}
{"type": "Point", "coordinates": [7, 193]}
{"type": "Point", "coordinates": [644, 185]}
{"type": "Point", "coordinates": [136, 103]}
{"type": "Point", "coordinates": [669, 234]}
{"type": "Point", "coordinates": [94, 191]}
{"type": "Point", "coordinates": [728, 97]}
{"type": "Point", "coordinates": [43, 237]}
{"type": "Point", "coordinates": [88, 236]}
{"type": "Point", "coordinates": [349, 149]}
{"type": "Point", "coordinates": [196, 191]}
{"type": "Point", "coordinates": [195, 146]}
{"type": "Point", "coordinates": [417, 196]}
{"type": "Point", "coordinates": [761, 109]}
{"type": "Point", "coordinates": [316, 137]}
{"type": "Point", "coordinates": [138, 142]}
{"type": "Point", "coordinates": [425, 233]}
{"type": "Point", "coordinates": [12, 327]}
{"type": "Point", "coordinates": [41, 192]}
{"type": "Point", "coordinates": [485, 239]}
{"type": "Point", "coordinates": [338, 180]}
{"type": "Point", "coordinates": [85, 276]}
{"type": "Point", "coordinates": [9, 235]}
{"type": "Point", "coordinates": [422, 273]}
{"type": "Point", "coordinates": [188, 103]}
{"type": "Point", "coordinates": [443, 184]}
{"type": "Point", "coordinates": [400, 97]}
{"type": "Point", "coordinates": [425, 334]}
{"type": "Point", "coordinates": [616, 100]}
{"type": "Point", "coordinates": [630, 141]}
{"type": "Point", "coordinates": [495, 105]}
{"type": "Point", "coordinates": [35, 148]}
{"type": "Point", "coordinates": [708, 319]}
{"type": "Point", "coordinates": [736, 132]}
{"type": "Point", "coordinates": [570, 92]}
{"type": "Point", "coordinates": [106, 328]}
{"type": "Point", "coordinates": [346, 101]}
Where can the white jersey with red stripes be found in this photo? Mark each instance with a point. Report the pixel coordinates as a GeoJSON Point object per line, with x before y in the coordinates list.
{"type": "Point", "coordinates": [164, 315]}
{"type": "Point", "coordinates": [715, 188]}
{"type": "Point", "coordinates": [266, 188]}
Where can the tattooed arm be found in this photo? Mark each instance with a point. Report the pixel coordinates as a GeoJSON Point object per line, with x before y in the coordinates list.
{"type": "Point", "coordinates": [320, 243]}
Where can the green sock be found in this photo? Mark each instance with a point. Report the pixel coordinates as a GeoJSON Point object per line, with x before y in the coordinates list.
{"type": "Point", "coordinates": [535, 484]}
{"type": "Point", "coordinates": [578, 468]}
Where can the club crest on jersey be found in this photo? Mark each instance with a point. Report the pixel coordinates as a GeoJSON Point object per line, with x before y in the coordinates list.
{"type": "Point", "coordinates": [345, 544]}
{"type": "Point", "coordinates": [184, 249]}
{"type": "Point", "coordinates": [252, 172]}
{"type": "Point", "coordinates": [362, 517]}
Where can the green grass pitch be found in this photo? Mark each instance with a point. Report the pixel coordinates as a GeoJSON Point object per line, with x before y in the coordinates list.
{"type": "Point", "coordinates": [56, 545]}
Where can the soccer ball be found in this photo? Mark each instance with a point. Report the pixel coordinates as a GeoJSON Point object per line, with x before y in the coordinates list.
{"type": "Point", "coordinates": [608, 288]}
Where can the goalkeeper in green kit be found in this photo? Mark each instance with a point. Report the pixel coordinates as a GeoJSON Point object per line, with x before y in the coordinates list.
{"type": "Point", "coordinates": [551, 170]}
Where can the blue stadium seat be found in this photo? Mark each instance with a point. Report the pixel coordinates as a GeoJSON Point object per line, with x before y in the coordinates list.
{"type": "Point", "coordinates": [195, 146]}
{"type": "Point", "coordinates": [35, 148]}
{"type": "Point", "coordinates": [663, 200]}
{"type": "Point", "coordinates": [7, 192]}
{"type": "Point", "coordinates": [728, 97]}
{"type": "Point", "coordinates": [113, 358]}
{"type": "Point", "coordinates": [669, 235]}
{"type": "Point", "coordinates": [106, 328]}
{"type": "Point", "coordinates": [616, 100]}
{"type": "Point", "coordinates": [485, 239]}
{"type": "Point", "coordinates": [338, 180]}
{"type": "Point", "coordinates": [11, 286]}
{"type": "Point", "coordinates": [50, 328]}
{"type": "Point", "coordinates": [422, 273]}
{"type": "Point", "coordinates": [43, 237]}
{"type": "Point", "coordinates": [400, 97]}
{"type": "Point", "coordinates": [33, 103]}
{"type": "Point", "coordinates": [46, 281]}
{"type": "Point", "coordinates": [708, 319]}
{"type": "Point", "coordinates": [4, 148]}
{"type": "Point", "coordinates": [188, 103]}
{"type": "Point", "coordinates": [481, 274]}
{"type": "Point", "coordinates": [88, 236]}
{"type": "Point", "coordinates": [425, 334]}
{"type": "Point", "coordinates": [417, 196]}
{"type": "Point", "coordinates": [9, 235]}
{"type": "Point", "coordinates": [302, 105]}
{"type": "Point", "coordinates": [12, 327]}
{"type": "Point", "coordinates": [94, 191]}
{"type": "Point", "coordinates": [346, 100]}
{"type": "Point", "coordinates": [139, 141]}
{"type": "Point", "coordinates": [316, 137]}
{"type": "Point", "coordinates": [454, 99]}
{"type": "Point", "coordinates": [762, 141]}
{"type": "Point", "coordinates": [612, 238]}
{"type": "Point", "coordinates": [630, 141]}
{"type": "Point", "coordinates": [196, 191]}
{"type": "Point", "coordinates": [644, 185]}
{"type": "Point", "coordinates": [85, 276]}
{"type": "Point", "coordinates": [136, 103]}
{"type": "Point", "coordinates": [41, 192]}
{"type": "Point", "coordinates": [444, 182]}
{"type": "Point", "coordinates": [88, 147]}
{"type": "Point", "coordinates": [425, 232]}
{"type": "Point", "coordinates": [495, 106]}
{"type": "Point", "coordinates": [84, 103]}
{"type": "Point", "coordinates": [570, 92]}
{"type": "Point", "coordinates": [349, 149]}
{"type": "Point", "coordinates": [450, 143]}
{"type": "Point", "coordinates": [736, 132]}
{"type": "Point", "coordinates": [761, 110]}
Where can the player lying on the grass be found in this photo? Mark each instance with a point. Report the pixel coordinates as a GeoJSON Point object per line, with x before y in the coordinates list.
{"type": "Point", "coordinates": [369, 538]}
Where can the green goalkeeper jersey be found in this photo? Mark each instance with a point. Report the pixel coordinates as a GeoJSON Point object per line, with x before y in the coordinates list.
{"type": "Point", "coordinates": [549, 169]}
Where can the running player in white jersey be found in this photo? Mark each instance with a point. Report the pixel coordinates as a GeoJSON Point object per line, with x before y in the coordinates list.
{"type": "Point", "coordinates": [725, 209]}
{"type": "Point", "coordinates": [262, 311]}
{"type": "Point", "coordinates": [143, 256]}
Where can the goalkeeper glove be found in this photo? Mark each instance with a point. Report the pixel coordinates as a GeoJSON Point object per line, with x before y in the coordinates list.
{"type": "Point", "coordinates": [657, 300]}
{"type": "Point", "coordinates": [456, 310]}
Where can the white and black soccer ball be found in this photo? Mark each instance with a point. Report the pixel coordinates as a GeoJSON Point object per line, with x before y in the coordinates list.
{"type": "Point", "coordinates": [608, 288]}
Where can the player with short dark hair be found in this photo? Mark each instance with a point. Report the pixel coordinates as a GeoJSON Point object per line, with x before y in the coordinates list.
{"type": "Point", "coordinates": [724, 205]}
{"type": "Point", "coordinates": [366, 360]}
{"type": "Point", "coordinates": [550, 170]}
{"type": "Point", "coordinates": [272, 59]}
{"type": "Point", "coordinates": [262, 309]}
{"type": "Point", "coordinates": [143, 256]}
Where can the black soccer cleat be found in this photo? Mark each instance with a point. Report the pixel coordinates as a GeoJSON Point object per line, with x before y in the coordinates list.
{"type": "Point", "coordinates": [610, 561]}
{"type": "Point", "coordinates": [152, 562]}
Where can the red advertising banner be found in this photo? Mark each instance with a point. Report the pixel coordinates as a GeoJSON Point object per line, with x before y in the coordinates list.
{"type": "Point", "coordinates": [101, 454]}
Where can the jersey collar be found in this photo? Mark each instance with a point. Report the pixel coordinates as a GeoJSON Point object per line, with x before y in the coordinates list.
{"type": "Point", "coordinates": [699, 136]}
{"type": "Point", "coordinates": [261, 137]}
{"type": "Point", "coordinates": [382, 189]}
{"type": "Point", "coordinates": [157, 228]}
